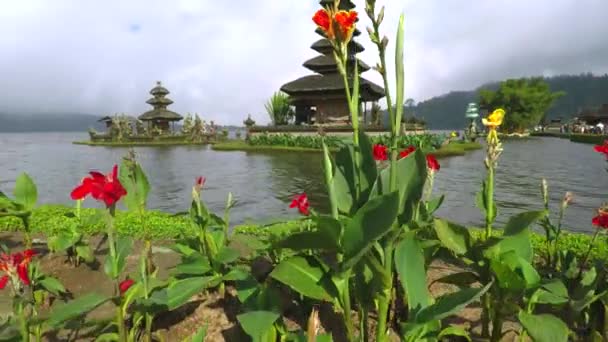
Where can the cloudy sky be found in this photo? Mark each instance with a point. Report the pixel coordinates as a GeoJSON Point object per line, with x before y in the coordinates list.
{"type": "Point", "coordinates": [223, 59]}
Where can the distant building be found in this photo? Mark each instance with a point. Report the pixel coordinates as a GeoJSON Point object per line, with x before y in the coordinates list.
{"type": "Point", "coordinates": [160, 117]}
{"type": "Point", "coordinates": [595, 116]}
{"type": "Point", "coordinates": [321, 97]}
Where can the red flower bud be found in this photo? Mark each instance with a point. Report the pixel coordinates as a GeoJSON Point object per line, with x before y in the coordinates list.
{"type": "Point", "coordinates": [407, 152]}
{"type": "Point", "coordinates": [601, 220]}
{"type": "Point", "coordinates": [125, 285]}
{"type": "Point", "coordinates": [432, 163]}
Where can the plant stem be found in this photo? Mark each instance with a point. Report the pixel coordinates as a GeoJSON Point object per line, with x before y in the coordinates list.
{"type": "Point", "coordinates": [23, 323]}
{"type": "Point", "coordinates": [348, 321]}
{"type": "Point", "coordinates": [485, 315]}
{"type": "Point", "coordinates": [364, 324]}
{"type": "Point", "coordinates": [385, 299]}
{"type": "Point", "coordinates": [490, 205]}
{"type": "Point", "coordinates": [580, 271]}
{"type": "Point", "coordinates": [496, 327]}
{"type": "Point", "coordinates": [120, 321]}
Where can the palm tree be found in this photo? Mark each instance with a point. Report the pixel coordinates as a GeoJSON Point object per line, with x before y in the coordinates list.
{"type": "Point", "coordinates": [279, 109]}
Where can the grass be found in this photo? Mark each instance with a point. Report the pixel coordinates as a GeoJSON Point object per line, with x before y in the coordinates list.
{"type": "Point", "coordinates": [452, 149]}
{"type": "Point", "coordinates": [137, 143]}
{"type": "Point", "coordinates": [51, 219]}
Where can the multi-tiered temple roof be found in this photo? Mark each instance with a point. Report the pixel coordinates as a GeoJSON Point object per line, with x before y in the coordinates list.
{"type": "Point", "coordinates": [327, 82]}
{"type": "Point", "coordinates": [160, 103]}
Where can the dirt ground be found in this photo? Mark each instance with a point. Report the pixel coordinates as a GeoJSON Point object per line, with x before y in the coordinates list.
{"type": "Point", "coordinates": [219, 314]}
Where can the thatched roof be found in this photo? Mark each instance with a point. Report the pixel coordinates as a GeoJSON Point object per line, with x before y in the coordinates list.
{"type": "Point", "coordinates": [315, 84]}
{"type": "Point", "coordinates": [324, 46]}
{"type": "Point", "coordinates": [159, 89]}
{"type": "Point", "coordinates": [325, 64]}
{"type": "Point", "coordinates": [110, 118]}
{"type": "Point", "coordinates": [344, 4]}
{"type": "Point", "coordinates": [160, 114]}
{"type": "Point", "coordinates": [162, 101]}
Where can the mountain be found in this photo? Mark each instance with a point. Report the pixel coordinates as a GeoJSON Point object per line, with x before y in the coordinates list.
{"type": "Point", "coordinates": [48, 122]}
{"type": "Point", "coordinates": [582, 91]}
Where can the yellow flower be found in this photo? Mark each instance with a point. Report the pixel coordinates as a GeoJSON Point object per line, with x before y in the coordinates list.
{"type": "Point", "coordinates": [454, 134]}
{"type": "Point", "coordinates": [495, 119]}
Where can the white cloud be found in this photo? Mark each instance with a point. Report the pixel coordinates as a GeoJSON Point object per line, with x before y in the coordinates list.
{"type": "Point", "coordinates": [224, 59]}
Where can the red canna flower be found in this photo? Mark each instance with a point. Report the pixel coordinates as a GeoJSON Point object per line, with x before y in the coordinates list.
{"type": "Point", "coordinates": [102, 188]}
{"type": "Point", "coordinates": [301, 202]}
{"type": "Point", "coordinates": [15, 266]}
{"type": "Point", "coordinates": [432, 163]}
{"type": "Point", "coordinates": [323, 19]}
{"type": "Point", "coordinates": [602, 148]}
{"type": "Point", "coordinates": [407, 152]}
{"type": "Point", "coordinates": [125, 285]}
{"type": "Point", "coordinates": [346, 22]}
{"type": "Point", "coordinates": [601, 220]}
{"type": "Point", "coordinates": [380, 152]}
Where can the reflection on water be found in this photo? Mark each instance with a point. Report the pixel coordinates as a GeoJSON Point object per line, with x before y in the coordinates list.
{"type": "Point", "coordinates": [263, 184]}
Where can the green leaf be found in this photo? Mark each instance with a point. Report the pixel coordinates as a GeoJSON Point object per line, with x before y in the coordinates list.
{"type": "Point", "coordinates": [412, 171]}
{"type": "Point", "coordinates": [257, 323]}
{"type": "Point", "coordinates": [331, 230]}
{"type": "Point", "coordinates": [522, 221]}
{"type": "Point", "coordinates": [52, 285]}
{"type": "Point", "coordinates": [304, 275]}
{"type": "Point", "coordinates": [107, 337]}
{"type": "Point", "coordinates": [237, 273]}
{"type": "Point", "coordinates": [399, 71]}
{"type": "Point", "coordinates": [343, 180]}
{"type": "Point", "coordinates": [513, 272]}
{"type": "Point", "coordinates": [454, 237]}
{"type": "Point", "coordinates": [6, 203]}
{"type": "Point", "coordinates": [434, 204]}
{"type": "Point", "coordinates": [409, 262]}
{"type": "Point", "coordinates": [74, 309]}
{"type": "Point", "coordinates": [246, 288]}
{"type": "Point", "coordinates": [461, 279]}
{"type": "Point", "coordinates": [135, 182]}
{"type": "Point", "coordinates": [544, 327]}
{"type": "Point", "coordinates": [542, 296]}
{"type": "Point", "coordinates": [180, 291]}
{"type": "Point", "coordinates": [60, 242]}
{"type": "Point", "coordinates": [368, 225]}
{"type": "Point", "coordinates": [194, 264]}
{"type": "Point", "coordinates": [114, 268]}
{"type": "Point", "coordinates": [227, 255]}
{"type": "Point", "coordinates": [25, 191]}
{"type": "Point", "coordinates": [300, 241]}
{"type": "Point", "coordinates": [450, 304]}
{"type": "Point", "coordinates": [454, 331]}
{"type": "Point", "coordinates": [85, 252]}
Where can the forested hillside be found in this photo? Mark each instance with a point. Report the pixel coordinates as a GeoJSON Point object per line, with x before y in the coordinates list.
{"type": "Point", "coordinates": [582, 91]}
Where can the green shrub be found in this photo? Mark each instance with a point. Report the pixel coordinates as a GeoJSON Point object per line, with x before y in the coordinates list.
{"type": "Point", "coordinates": [291, 140]}
{"type": "Point", "coordinates": [423, 141]}
{"type": "Point", "coordinates": [596, 139]}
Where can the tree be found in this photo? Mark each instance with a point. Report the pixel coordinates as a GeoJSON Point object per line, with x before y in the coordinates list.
{"type": "Point", "coordinates": [187, 124]}
{"type": "Point", "coordinates": [526, 100]}
{"type": "Point", "coordinates": [375, 113]}
{"type": "Point", "coordinates": [279, 109]}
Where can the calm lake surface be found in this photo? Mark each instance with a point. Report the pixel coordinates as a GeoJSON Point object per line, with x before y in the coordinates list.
{"type": "Point", "coordinates": [264, 183]}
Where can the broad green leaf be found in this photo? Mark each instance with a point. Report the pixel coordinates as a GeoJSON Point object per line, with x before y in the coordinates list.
{"type": "Point", "coordinates": [74, 309]}
{"type": "Point", "coordinates": [6, 203]}
{"type": "Point", "coordinates": [454, 331]}
{"type": "Point", "coordinates": [452, 236]}
{"type": "Point", "coordinates": [237, 273]}
{"type": "Point", "coordinates": [399, 71]}
{"type": "Point", "coordinates": [314, 240]}
{"type": "Point", "coordinates": [227, 255]}
{"type": "Point", "coordinates": [304, 275]}
{"type": "Point", "coordinates": [450, 304]}
{"type": "Point", "coordinates": [330, 228]}
{"type": "Point", "coordinates": [412, 174]}
{"type": "Point", "coordinates": [434, 204]}
{"type": "Point", "coordinates": [461, 279]}
{"type": "Point", "coordinates": [135, 182]}
{"type": "Point", "coordinates": [542, 296]}
{"type": "Point", "coordinates": [25, 191]}
{"type": "Point", "coordinates": [369, 224]}
{"type": "Point", "coordinates": [60, 242]}
{"type": "Point", "coordinates": [522, 221]}
{"type": "Point", "coordinates": [544, 327]}
{"type": "Point", "coordinates": [409, 262]}
{"type": "Point", "coordinates": [556, 287]}
{"type": "Point", "coordinates": [107, 337]}
{"type": "Point", "coordinates": [246, 288]}
{"type": "Point", "coordinates": [85, 252]}
{"type": "Point", "coordinates": [114, 268]}
{"type": "Point", "coordinates": [513, 272]}
{"type": "Point", "coordinates": [257, 323]}
{"type": "Point", "coordinates": [179, 292]}
{"type": "Point", "coordinates": [52, 285]}
{"type": "Point", "coordinates": [194, 264]}
{"type": "Point", "coordinates": [343, 180]}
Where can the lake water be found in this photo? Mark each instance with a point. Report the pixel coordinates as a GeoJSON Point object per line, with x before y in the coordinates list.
{"type": "Point", "coordinates": [264, 183]}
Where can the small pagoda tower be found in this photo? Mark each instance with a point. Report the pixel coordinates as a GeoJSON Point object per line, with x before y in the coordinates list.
{"type": "Point", "coordinates": [321, 97]}
{"type": "Point", "coordinates": [160, 117]}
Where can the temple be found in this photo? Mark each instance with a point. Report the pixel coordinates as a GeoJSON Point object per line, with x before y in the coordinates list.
{"type": "Point", "coordinates": [159, 118]}
{"type": "Point", "coordinates": [321, 98]}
